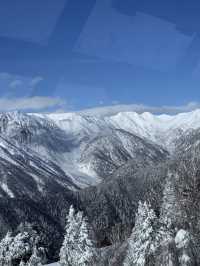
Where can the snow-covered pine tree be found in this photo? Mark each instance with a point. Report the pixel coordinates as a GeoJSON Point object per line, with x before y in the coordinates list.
{"type": "Point", "coordinates": [35, 259]}
{"type": "Point", "coordinates": [5, 255]}
{"type": "Point", "coordinates": [141, 241]}
{"type": "Point", "coordinates": [69, 239]}
{"type": "Point", "coordinates": [186, 248]}
{"type": "Point", "coordinates": [22, 263]}
{"type": "Point", "coordinates": [18, 248]}
{"type": "Point", "coordinates": [77, 249]}
{"type": "Point", "coordinates": [165, 252]}
{"type": "Point", "coordinates": [87, 245]}
{"type": "Point", "coordinates": [168, 207]}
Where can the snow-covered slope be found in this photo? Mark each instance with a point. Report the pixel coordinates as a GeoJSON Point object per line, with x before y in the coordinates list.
{"type": "Point", "coordinates": [162, 129]}
{"type": "Point", "coordinates": [87, 147]}
{"type": "Point", "coordinates": [104, 154]}
{"type": "Point", "coordinates": [25, 173]}
{"type": "Point", "coordinates": [46, 139]}
{"type": "Point", "coordinates": [84, 147]}
{"type": "Point", "coordinates": [102, 145]}
{"type": "Point", "coordinates": [86, 131]}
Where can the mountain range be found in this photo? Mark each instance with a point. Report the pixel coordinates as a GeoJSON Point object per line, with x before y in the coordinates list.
{"type": "Point", "coordinates": [102, 165]}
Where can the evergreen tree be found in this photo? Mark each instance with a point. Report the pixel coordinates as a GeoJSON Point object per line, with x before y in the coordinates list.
{"type": "Point", "coordinates": [77, 249]}
{"type": "Point", "coordinates": [166, 254]}
{"type": "Point", "coordinates": [22, 263]}
{"type": "Point", "coordinates": [141, 241]}
{"type": "Point", "coordinates": [169, 208]}
{"type": "Point", "coordinates": [187, 251]}
{"type": "Point", "coordinates": [15, 250]}
{"type": "Point", "coordinates": [5, 254]}
{"type": "Point", "coordinates": [35, 259]}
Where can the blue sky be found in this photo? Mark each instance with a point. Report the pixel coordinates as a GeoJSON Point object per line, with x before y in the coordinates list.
{"type": "Point", "coordinates": [75, 54]}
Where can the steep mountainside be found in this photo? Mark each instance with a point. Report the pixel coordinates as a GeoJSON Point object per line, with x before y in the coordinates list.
{"type": "Point", "coordinates": [162, 129]}
{"type": "Point", "coordinates": [24, 173]}
{"type": "Point", "coordinates": [80, 145]}
{"type": "Point", "coordinates": [105, 154]}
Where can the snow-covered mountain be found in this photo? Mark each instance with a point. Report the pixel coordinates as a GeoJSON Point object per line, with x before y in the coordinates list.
{"type": "Point", "coordinates": [66, 138]}
{"type": "Point", "coordinates": [79, 145]}
{"type": "Point", "coordinates": [102, 165]}
{"type": "Point", "coordinates": [82, 145]}
{"type": "Point", "coordinates": [162, 129]}
{"type": "Point", "coordinates": [47, 140]}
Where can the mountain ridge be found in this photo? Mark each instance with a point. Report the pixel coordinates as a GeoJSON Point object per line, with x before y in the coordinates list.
{"type": "Point", "coordinates": [162, 129]}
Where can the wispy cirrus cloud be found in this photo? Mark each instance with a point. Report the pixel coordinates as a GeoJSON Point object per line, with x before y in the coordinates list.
{"type": "Point", "coordinates": [36, 103]}
{"type": "Point", "coordinates": [35, 81]}
{"type": "Point", "coordinates": [16, 94]}
{"type": "Point", "coordinates": [15, 83]}
{"type": "Point", "coordinates": [12, 85]}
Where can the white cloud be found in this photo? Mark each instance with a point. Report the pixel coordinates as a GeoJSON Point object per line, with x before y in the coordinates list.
{"type": "Point", "coordinates": [30, 103]}
{"type": "Point", "coordinates": [140, 108]}
{"type": "Point", "coordinates": [17, 86]}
